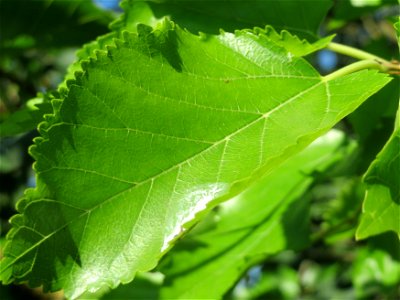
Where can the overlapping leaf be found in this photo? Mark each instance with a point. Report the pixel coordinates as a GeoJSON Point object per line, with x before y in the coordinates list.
{"type": "Point", "coordinates": [154, 132]}
{"type": "Point", "coordinates": [135, 12]}
{"type": "Point", "coordinates": [140, 12]}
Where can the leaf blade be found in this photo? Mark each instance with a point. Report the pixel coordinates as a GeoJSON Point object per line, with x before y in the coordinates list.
{"type": "Point", "coordinates": [162, 170]}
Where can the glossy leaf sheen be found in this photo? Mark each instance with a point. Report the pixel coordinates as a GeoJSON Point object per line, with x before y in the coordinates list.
{"type": "Point", "coordinates": [155, 130]}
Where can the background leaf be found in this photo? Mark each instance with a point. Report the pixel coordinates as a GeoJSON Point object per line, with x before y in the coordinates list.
{"type": "Point", "coordinates": [27, 118]}
{"type": "Point", "coordinates": [375, 269]}
{"type": "Point", "coordinates": [300, 17]}
{"type": "Point", "coordinates": [353, 9]}
{"type": "Point", "coordinates": [381, 208]}
{"type": "Point", "coordinates": [25, 23]}
{"type": "Point", "coordinates": [373, 122]}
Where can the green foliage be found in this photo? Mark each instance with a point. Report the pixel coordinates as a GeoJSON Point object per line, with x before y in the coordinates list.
{"type": "Point", "coordinates": [299, 17]}
{"type": "Point", "coordinates": [381, 208]}
{"type": "Point", "coordinates": [28, 24]}
{"type": "Point", "coordinates": [221, 247]}
{"type": "Point", "coordinates": [372, 263]}
{"type": "Point", "coordinates": [201, 155]}
{"type": "Point", "coordinates": [145, 185]}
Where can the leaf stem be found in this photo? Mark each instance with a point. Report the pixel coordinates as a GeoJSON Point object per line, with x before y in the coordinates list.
{"type": "Point", "coordinates": [367, 61]}
{"type": "Point", "coordinates": [353, 52]}
{"type": "Point", "coordinates": [357, 66]}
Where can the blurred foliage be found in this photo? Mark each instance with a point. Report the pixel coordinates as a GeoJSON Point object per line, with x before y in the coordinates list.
{"type": "Point", "coordinates": [25, 23]}
{"type": "Point", "coordinates": [38, 41]}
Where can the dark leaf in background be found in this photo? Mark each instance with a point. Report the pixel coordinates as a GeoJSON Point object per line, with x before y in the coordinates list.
{"type": "Point", "coordinates": [300, 17]}
{"type": "Point", "coordinates": [50, 24]}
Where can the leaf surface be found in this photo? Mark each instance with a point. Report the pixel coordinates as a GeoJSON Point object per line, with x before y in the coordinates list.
{"type": "Point", "coordinates": [155, 132]}
{"type": "Point", "coordinates": [292, 43]}
{"type": "Point", "coordinates": [268, 217]}
{"type": "Point", "coordinates": [134, 14]}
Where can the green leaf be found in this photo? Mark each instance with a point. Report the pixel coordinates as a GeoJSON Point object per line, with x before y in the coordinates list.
{"type": "Point", "coordinates": [140, 13]}
{"type": "Point", "coordinates": [135, 13]}
{"type": "Point", "coordinates": [274, 209]}
{"type": "Point", "coordinates": [300, 17]}
{"type": "Point", "coordinates": [154, 133]}
{"type": "Point", "coordinates": [85, 53]}
{"type": "Point", "coordinates": [381, 207]}
{"type": "Point", "coordinates": [292, 43]}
